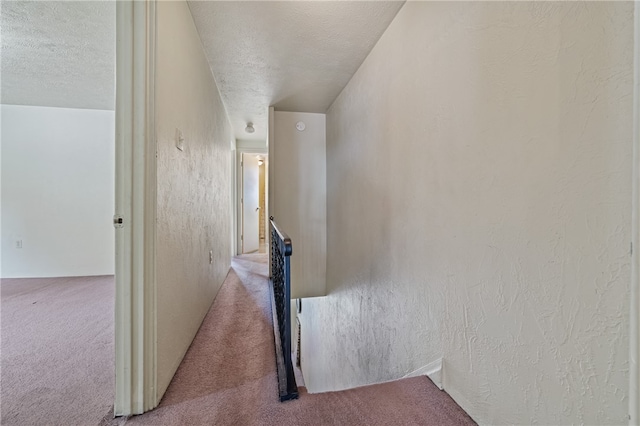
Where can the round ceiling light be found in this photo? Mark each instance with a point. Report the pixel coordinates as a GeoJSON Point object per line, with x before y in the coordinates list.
{"type": "Point", "coordinates": [249, 128]}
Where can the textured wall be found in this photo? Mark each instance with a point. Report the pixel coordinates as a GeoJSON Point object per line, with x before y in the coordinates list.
{"type": "Point", "coordinates": [478, 208]}
{"type": "Point", "coordinates": [298, 196]}
{"type": "Point", "coordinates": [57, 191]}
{"type": "Point", "coordinates": [193, 186]}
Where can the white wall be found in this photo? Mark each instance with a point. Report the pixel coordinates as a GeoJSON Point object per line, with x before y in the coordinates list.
{"type": "Point", "coordinates": [194, 186]}
{"type": "Point", "coordinates": [297, 200]}
{"type": "Point", "coordinates": [57, 191]}
{"type": "Point", "coordinates": [479, 197]}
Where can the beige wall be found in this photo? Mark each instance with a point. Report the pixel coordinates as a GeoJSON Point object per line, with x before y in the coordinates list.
{"type": "Point", "coordinates": [57, 191]}
{"type": "Point", "coordinates": [478, 209]}
{"type": "Point", "coordinates": [193, 186]}
{"type": "Point", "coordinates": [297, 199]}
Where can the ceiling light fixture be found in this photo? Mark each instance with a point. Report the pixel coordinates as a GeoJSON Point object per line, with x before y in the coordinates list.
{"type": "Point", "coordinates": [249, 128]}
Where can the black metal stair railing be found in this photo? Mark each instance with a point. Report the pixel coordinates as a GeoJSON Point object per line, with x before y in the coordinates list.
{"type": "Point", "coordinates": [280, 281]}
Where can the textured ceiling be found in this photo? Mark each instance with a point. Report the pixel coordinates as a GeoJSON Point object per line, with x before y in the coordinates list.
{"type": "Point", "coordinates": [294, 55]}
{"type": "Point", "coordinates": [57, 53]}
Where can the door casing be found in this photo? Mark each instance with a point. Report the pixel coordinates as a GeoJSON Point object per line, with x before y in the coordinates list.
{"type": "Point", "coordinates": [135, 205]}
{"type": "Point", "coordinates": [243, 147]}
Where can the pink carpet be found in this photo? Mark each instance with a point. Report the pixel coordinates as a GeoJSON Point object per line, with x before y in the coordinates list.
{"type": "Point", "coordinates": [57, 350]}
{"type": "Point", "coordinates": [228, 376]}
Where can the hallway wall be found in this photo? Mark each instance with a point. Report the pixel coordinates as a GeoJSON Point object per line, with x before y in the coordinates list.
{"type": "Point", "coordinates": [194, 187]}
{"type": "Point", "coordinates": [478, 209]}
{"type": "Point", "coordinates": [297, 196]}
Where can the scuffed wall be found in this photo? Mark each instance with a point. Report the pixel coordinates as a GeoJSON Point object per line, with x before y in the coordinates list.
{"type": "Point", "coordinates": [478, 209]}
{"type": "Point", "coordinates": [193, 186]}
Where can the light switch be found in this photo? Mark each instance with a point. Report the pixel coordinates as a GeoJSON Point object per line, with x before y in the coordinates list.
{"type": "Point", "coordinates": [179, 140]}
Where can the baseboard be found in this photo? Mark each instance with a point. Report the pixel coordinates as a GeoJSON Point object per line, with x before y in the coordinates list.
{"type": "Point", "coordinates": [433, 370]}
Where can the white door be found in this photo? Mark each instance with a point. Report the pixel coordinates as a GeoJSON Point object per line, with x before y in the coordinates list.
{"type": "Point", "coordinates": [250, 204]}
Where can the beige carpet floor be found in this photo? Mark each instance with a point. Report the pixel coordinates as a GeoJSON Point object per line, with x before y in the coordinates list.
{"type": "Point", "coordinates": [228, 376]}
{"type": "Point", "coordinates": [57, 353]}
{"type": "Point", "coordinates": [56, 350]}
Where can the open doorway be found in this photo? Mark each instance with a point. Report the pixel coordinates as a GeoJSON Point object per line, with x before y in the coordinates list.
{"type": "Point", "coordinates": [57, 286]}
{"type": "Point", "coordinates": [253, 201]}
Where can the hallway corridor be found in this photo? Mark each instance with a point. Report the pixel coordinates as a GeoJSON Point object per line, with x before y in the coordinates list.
{"type": "Point", "coordinates": [228, 375]}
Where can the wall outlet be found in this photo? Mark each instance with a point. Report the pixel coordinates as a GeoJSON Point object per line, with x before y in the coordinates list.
{"type": "Point", "coordinates": [210, 256]}
{"type": "Point", "coordinates": [18, 244]}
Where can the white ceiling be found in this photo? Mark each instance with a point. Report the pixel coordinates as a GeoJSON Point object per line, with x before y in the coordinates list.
{"type": "Point", "coordinates": [294, 55]}
{"type": "Point", "coordinates": [58, 53]}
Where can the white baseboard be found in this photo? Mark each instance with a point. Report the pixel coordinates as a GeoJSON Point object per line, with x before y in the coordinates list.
{"type": "Point", "coordinates": [433, 370]}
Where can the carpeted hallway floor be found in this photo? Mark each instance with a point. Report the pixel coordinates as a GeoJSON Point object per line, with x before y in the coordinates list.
{"type": "Point", "coordinates": [57, 358]}
{"type": "Point", "coordinates": [228, 376]}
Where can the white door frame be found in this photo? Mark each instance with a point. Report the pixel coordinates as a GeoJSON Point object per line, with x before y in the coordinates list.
{"type": "Point", "coordinates": [135, 310]}
{"type": "Point", "coordinates": [246, 148]}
